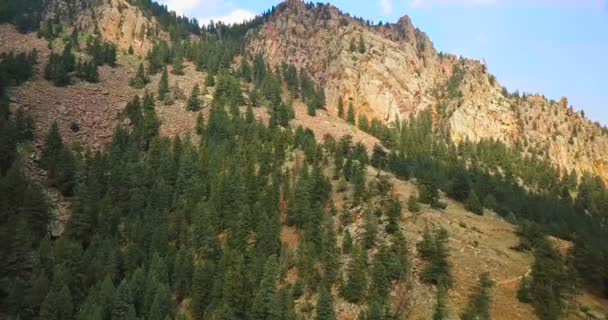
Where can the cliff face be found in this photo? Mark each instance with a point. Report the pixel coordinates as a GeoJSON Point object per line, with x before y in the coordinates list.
{"type": "Point", "coordinates": [398, 72]}
{"type": "Point", "coordinates": [117, 20]}
{"type": "Point", "coordinates": [393, 77]}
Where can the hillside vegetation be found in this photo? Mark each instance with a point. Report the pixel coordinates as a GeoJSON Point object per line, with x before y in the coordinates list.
{"type": "Point", "coordinates": [197, 176]}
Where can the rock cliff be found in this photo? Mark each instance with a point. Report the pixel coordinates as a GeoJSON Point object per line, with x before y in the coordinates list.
{"type": "Point", "coordinates": [118, 21]}
{"type": "Point", "coordinates": [393, 71]}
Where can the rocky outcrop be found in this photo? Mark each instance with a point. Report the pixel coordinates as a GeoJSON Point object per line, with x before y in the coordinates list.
{"type": "Point", "coordinates": [118, 21]}
{"type": "Point", "coordinates": [399, 73]}
{"type": "Point", "coordinates": [393, 78]}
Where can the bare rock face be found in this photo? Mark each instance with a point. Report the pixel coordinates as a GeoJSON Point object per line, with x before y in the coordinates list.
{"type": "Point", "coordinates": [399, 73]}
{"type": "Point", "coordinates": [481, 111]}
{"type": "Point", "coordinates": [117, 20]}
{"type": "Point", "coordinates": [392, 78]}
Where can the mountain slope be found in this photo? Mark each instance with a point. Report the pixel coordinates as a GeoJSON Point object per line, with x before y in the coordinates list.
{"type": "Point", "coordinates": [392, 71]}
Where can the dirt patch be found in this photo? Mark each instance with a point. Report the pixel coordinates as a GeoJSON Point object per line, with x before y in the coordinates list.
{"type": "Point", "coordinates": [290, 237]}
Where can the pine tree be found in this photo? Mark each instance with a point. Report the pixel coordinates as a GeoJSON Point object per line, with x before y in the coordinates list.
{"type": "Point", "coordinates": [461, 186]}
{"type": "Point", "coordinates": [52, 148]}
{"type": "Point", "coordinates": [434, 249]}
{"type": "Point", "coordinates": [473, 204]}
{"type": "Point", "coordinates": [245, 70]}
{"type": "Point", "coordinates": [356, 284]}
{"type": "Point", "coordinates": [330, 255]}
{"type": "Point", "coordinates": [163, 86]}
{"type": "Point", "coordinates": [553, 283]}
{"type": "Point", "coordinates": [375, 311]}
{"type": "Point", "coordinates": [194, 103]}
{"type": "Point", "coordinates": [182, 273]}
{"type": "Point", "coordinates": [287, 308]}
{"type": "Point", "coordinates": [140, 80]}
{"type": "Point", "coordinates": [341, 108]}
{"type": "Point", "coordinates": [371, 230]}
{"type": "Point", "coordinates": [202, 284]}
{"type": "Point", "coordinates": [122, 305]}
{"type": "Point", "coordinates": [325, 305]}
{"type": "Point", "coordinates": [350, 118]}
{"type": "Point", "coordinates": [481, 300]}
{"type": "Point", "coordinates": [441, 308]}
{"type": "Point", "coordinates": [161, 305]}
{"type": "Point", "coordinates": [210, 80]}
{"type": "Point", "coordinates": [178, 64]}
{"type": "Point", "coordinates": [363, 123]}
{"type": "Point", "coordinates": [412, 204]}
{"type": "Point", "coordinates": [58, 304]}
{"type": "Point", "coordinates": [361, 46]}
{"type": "Point", "coordinates": [311, 109]}
{"type": "Point", "coordinates": [394, 216]}
{"type": "Point", "coordinates": [265, 300]}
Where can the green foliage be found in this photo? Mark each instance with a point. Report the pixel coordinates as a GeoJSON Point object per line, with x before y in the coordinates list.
{"type": "Point", "coordinates": [141, 79]}
{"type": "Point", "coordinates": [370, 225]}
{"type": "Point", "coordinates": [473, 204]}
{"type": "Point", "coordinates": [122, 307]}
{"type": "Point", "coordinates": [481, 299]}
{"type": "Point", "coordinates": [194, 103]}
{"type": "Point", "coordinates": [363, 123]}
{"type": "Point", "coordinates": [59, 162]}
{"type": "Point", "coordinates": [178, 63]}
{"type": "Point", "coordinates": [313, 96]}
{"type": "Point", "coordinates": [412, 204]}
{"type": "Point", "coordinates": [325, 305]}
{"type": "Point", "coordinates": [17, 68]}
{"type": "Point", "coordinates": [553, 283]}
{"type": "Point", "coordinates": [453, 87]}
{"type": "Point", "coordinates": [394, 216]}
{"type": "Point", "coordinates": [60, 67]}
{"type": "Point", "coordinates": [434, 250]}
{"type": "Point", "coordinates": [350, 117]}
{"type": "Point", "coordinates": [163, 86]}
{"type": "Point", "coordinates": [58, 304]}
{"type": "Point", "coordinates": [341, 108]}
{"type": "Point", "coordinates": [441, 306]}
{"type": "Point", "coordinates": [290, 75]}
{"type": "Point", "coordinates": [530, 235]}
{"type": "Point", "coordinates": [355, 287]}
{"type": "Point", "coordinates": [361, 46]}
{"type": "Point", "coordinates": [102, 52]}
{"type": "Point", "coordinates": [87, 71]}
{"type": "Point", "coordinates": [264, 301]}
{"type": "Point", "coordinates": [379, 157]}
{"type": "Point", "coordinates": [24, 217]}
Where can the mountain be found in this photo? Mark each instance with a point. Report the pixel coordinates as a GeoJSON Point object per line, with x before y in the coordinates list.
{"type": "Point", "coordinates": [302, 165]}
{"type": "Point", "coordinates": [399, 73]}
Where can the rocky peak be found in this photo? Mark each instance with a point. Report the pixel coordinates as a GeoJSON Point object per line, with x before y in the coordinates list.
{"type": "Point", "coordinates": [400, 73]}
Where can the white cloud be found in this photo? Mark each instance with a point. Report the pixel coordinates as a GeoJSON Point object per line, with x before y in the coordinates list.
{"type": "Point", "coordinates": [182, 7]}
{"type": "Point", "coordinates": [235, 16]}
{"type": "Point", "coordinates": [387, 7]}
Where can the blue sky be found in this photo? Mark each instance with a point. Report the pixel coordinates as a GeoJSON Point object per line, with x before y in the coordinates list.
{"type": "Point", "coordinates": [554, 47]}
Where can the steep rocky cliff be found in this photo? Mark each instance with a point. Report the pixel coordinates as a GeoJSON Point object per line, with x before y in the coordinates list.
{"type": "Point", "coordinates": [393, 71]}
{"type": "Point", "coordinates": [118, 21]}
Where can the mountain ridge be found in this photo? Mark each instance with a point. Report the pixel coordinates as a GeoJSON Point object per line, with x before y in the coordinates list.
{"type": "Point", "coordinates": [400, 74]}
